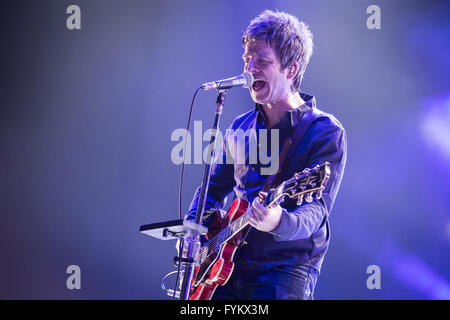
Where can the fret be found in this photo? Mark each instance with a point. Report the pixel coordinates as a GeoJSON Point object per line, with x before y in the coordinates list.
{"type": "Point", "coordinates": [310, 183]}
{"type": "Point", "coordinates": [215, 243]}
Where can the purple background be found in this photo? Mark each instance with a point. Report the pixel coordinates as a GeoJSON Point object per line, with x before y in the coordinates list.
{"type": "Point", "coordinates": [86, 118]}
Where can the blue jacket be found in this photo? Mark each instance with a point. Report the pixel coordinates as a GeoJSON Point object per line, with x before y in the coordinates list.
{"type": "Point", "coordinates": [303, 235]}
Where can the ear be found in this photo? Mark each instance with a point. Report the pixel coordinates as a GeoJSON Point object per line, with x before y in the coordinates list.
{"type": "Point", "coordinates": [293, 70]}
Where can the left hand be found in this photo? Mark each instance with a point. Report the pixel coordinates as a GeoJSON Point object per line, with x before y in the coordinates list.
{"type": "Point", "coordinates": [264, 219]}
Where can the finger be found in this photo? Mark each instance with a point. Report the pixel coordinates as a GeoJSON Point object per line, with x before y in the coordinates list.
{"type": "Point", "coordinates": [260, 200]}
{"type": "Point", "coordinates": [253, 218]}
{"type": "Point", "coordinates": [257, 216]}
{"type": "Point", "coordinates": [252, 222]}
{"type": "Point", "coordinates": [257, 205]}
{"type": "Point", "coordinates": [262, 196]}
{"type": "Point", "coordinates": [261, 211]}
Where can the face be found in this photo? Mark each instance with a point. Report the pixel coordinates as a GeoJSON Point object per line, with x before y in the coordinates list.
{"type": "Point", "coordinates": [271, 85]}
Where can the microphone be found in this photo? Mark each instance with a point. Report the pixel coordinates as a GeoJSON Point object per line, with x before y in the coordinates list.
{"type": "Point", "coordinates": [244, 80]}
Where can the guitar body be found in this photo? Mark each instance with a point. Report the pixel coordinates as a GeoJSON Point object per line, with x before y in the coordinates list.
{"type": "Point", "coordinates": [216, 256]}
{"type": "Point", "coordinates": [217, 268]}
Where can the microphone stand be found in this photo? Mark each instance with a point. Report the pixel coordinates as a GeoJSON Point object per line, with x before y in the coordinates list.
{"type": "Point", "coordinates": [193, 239]}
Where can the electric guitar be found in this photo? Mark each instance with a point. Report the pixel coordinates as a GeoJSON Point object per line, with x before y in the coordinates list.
{"type": "Point", "coordinates": [216, 256]}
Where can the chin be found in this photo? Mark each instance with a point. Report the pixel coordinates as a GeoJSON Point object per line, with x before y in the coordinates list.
{"type": "Point", "coordinates": [257, 99]}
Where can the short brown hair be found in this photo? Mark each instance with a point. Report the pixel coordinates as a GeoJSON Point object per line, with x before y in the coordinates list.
{"type": "Point", "coordinates": [290, 38]}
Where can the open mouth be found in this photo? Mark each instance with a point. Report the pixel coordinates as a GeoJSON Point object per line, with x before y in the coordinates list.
{"type": "Point", "coordinates": [258, 85]}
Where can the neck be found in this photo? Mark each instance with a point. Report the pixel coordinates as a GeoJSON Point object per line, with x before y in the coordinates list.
{"type": "Point", "coordinates": [274, 110]}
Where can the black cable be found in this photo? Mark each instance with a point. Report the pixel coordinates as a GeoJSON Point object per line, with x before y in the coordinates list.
{"type": "Point", "coordinates": [184, 156]}
{"type": "Point", "coordinates": [180, 191]}
{"type": "Point", "coordinates": [180, 255]}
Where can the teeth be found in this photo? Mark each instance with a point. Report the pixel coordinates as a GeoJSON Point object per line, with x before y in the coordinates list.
{"type": "Point", "coordinates": [258, 84]}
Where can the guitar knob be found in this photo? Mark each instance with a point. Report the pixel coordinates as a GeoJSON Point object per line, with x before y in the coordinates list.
{"type": "Point", "coordinates": [300, 199]}
{"type": "Point", "coordinates": [308, 198]}
{"type": "Point", "coordinates": [319, 195]}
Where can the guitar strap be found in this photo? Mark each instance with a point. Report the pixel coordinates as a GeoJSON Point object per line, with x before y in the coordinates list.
{"type": "Point", "coordinates": [289, 147]}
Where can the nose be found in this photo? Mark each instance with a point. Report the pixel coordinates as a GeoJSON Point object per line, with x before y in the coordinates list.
{"type": "Point", "coordinates": [250, 67]}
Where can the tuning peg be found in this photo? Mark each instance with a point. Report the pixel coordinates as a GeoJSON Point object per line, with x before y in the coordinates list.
{"type": "Point", "coordinates": [308, 197]}
{"type": "Point", "coordinates": [300, 199]}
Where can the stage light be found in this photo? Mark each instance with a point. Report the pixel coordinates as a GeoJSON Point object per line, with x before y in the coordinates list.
{"type": "Point", "coordinates": [435, 126]}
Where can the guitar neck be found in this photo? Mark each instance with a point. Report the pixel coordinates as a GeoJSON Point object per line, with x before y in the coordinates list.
{"type": "Point", "coordinates": [227, 233]}
{"type": "Point", "coordinates": [307, 182]}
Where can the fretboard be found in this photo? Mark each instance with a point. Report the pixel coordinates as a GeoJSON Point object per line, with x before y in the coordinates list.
{"type": "Point", "coordinates": [227, 233]}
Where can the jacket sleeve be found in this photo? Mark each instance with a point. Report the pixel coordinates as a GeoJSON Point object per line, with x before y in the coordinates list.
{"type": "Point", "coordinates": [326, 141]}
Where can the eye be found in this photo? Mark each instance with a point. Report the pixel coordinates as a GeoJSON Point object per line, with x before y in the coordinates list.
{"type": "Point", "coordinates": [263, 61]}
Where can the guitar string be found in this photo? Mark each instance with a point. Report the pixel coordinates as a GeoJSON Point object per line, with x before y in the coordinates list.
{"type": "Point", "coordinates": [215, 243]}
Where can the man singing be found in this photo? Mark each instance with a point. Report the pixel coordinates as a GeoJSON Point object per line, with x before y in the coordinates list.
{"type": "Point", "coordinates": [286, 245]}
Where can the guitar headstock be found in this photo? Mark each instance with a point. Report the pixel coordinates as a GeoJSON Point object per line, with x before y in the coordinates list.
{"type": "Point", "coordinates": [305, 185]}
